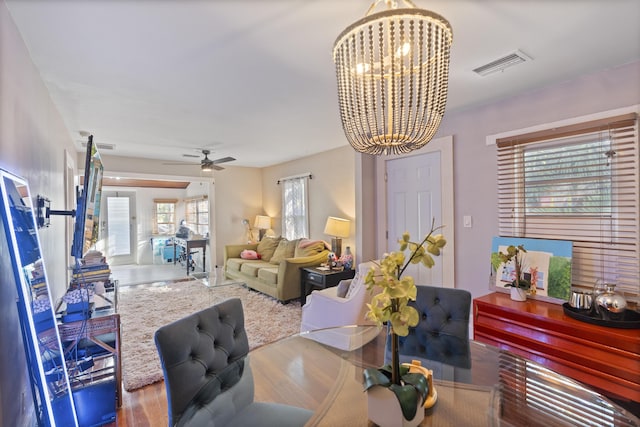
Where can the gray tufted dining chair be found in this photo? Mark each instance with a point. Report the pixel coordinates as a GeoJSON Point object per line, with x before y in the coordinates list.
{"type": "Point", "coordinates": [208, 376]}
{"type": "Point", "coordinates": [441, 338]}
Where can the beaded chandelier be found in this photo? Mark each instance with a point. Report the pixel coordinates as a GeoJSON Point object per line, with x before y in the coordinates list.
{"type": "Point", "coordinates": [393, 70]}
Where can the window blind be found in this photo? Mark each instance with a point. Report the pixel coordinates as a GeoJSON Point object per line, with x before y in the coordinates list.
{"type": "Point", "coordinates": [577, 183]}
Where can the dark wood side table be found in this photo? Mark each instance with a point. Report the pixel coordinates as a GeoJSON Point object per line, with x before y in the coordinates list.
{"type": "Point", "coordinates": [313, 278]}
{"type": "Point", "coordinates": [187, 245]}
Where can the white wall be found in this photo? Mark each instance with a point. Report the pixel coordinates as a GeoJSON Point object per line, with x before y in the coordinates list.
{"type": "Point", "coordinates": [238, 195]}
{"type": "Point", "coordinates": [475, 163]}
{"type": "Point", "coordinates": [331, 191]}
{"type": "Point", "coordinates": [33, 140]}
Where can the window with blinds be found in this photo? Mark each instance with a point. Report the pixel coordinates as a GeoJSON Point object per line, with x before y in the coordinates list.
{"type": "Point", "coordinates": [197, 215]}
{"type": "Point", "coordinates": [577, 183]}
{"type": "Point", "coordinates": [164, 216]}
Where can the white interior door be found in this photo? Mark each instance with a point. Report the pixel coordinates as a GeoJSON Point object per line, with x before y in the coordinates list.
{"type": "Point", "coordinates": [414, 201]}
{"type": "Point", "coordinates": [118, 227]}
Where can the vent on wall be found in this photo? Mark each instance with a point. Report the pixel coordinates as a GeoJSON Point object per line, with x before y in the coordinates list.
{"type": "Point", "coordinates": [500, 64]}
{"type": "Point", "coordinates": [101, 146]}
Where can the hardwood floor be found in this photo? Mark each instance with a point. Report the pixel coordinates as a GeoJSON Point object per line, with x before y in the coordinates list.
{"type": "Point", "coordinates": [143, 407]}
{"type": "Point", "coordinates": [300, 373]}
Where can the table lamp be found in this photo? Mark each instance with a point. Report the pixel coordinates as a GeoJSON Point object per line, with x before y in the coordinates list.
{"type": "Point", "coordinates": [337, 227]}
{"type": "Point", "coordinates": [262, 223]}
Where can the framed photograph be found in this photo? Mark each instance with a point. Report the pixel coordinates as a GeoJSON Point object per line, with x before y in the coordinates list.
{"type": "Point", "coordinates": [546, 264]}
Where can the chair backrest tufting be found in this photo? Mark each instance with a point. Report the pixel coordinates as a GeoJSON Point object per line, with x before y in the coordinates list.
{"type": "Point", "coordinates": [443, 331]}
{"type": "Point", "coordinates": [202, 355]}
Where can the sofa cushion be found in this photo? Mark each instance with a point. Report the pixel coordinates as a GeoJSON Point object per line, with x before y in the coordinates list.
{"type": "Point", "coordinates": [269, 274]}
{"type": "Point", "coordinates": [251, 268]}
{"type": "Point", "coordinates": [306, 247]}
{"type": "Point", "coordinates": [234, 264]}
{"type": "Point", "coordinates": [286, 249]}
{"type": "Point", "coordinates": [267, 246]}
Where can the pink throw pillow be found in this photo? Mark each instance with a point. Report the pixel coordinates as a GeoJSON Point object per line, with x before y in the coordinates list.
{"type": "Point", "coordinates": [249, 254]}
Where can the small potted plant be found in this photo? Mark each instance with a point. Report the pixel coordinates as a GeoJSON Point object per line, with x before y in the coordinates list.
{"type": "Point", "coordinates": [519, 285]}
{"type": "Point", "coordinates": [407, 390]}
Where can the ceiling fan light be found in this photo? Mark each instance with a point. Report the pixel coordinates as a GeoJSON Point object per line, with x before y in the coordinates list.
{"type": "Point", "coordinates": [206, 167]}
{"type": "Point", "coordinates": [392, 71]}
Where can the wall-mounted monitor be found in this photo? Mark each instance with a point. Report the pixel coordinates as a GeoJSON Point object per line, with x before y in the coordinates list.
{"type": "Point", "coordinates": [53, 402]}
{"type": "Point", "coordinates": [87, 220]}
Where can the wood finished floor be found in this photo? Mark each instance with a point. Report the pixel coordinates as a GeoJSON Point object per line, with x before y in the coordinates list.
{"type": "Point", "coordinates": [293, 382]}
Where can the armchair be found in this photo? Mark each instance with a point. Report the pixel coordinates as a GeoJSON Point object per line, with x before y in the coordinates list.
{"type": "Point", "coordinates": [325, 309]}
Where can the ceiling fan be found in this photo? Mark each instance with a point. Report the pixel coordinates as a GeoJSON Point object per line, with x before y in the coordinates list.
{"type": "Point", "coordinates": [206, 164]}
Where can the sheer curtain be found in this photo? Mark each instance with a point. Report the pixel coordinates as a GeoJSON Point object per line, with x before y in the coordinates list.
{"type": "Point", "coordinates": [295, 200]}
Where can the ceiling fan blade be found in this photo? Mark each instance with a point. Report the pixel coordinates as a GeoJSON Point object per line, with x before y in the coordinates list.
{"type": "Point", "coordinates": [223, 160]}
{"type": "Point", "coordinates": [209, 167]}
{"type": "Point", "coordinates": [180, 163]}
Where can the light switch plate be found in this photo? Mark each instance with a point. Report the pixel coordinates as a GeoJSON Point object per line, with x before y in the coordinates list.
{"type": "Point", "coordinates": [467, 221]}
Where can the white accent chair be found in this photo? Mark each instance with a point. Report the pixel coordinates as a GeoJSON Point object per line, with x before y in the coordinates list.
{"type": "Point", "coordinates": [325, 309]}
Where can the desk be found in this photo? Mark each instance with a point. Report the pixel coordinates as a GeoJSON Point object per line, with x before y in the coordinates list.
{"type": "Point", "coordinates": [504, 389]}
{"type": "Point", "coordinates": [187, 245]}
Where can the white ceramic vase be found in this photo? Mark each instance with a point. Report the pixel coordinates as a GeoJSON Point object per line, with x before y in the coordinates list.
{"type": "Point", "coordinates": [384, 409]}
{"type": "Point", "coordinates": [518, 294]}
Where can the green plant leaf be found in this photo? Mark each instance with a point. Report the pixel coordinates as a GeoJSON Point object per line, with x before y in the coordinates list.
{"type": "Point", "coordinates": [411, 394]}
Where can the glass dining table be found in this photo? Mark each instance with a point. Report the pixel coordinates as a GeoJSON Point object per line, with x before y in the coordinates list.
{"type": "Point", "coordinates": [322, 371]}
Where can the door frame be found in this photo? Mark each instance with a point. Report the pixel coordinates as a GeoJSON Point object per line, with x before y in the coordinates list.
{"type": "Point", "coordinates": [444, 146]}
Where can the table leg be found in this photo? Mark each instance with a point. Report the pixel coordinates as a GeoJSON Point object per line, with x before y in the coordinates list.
{"type": "Point", "coordinates": [303, 292]}
{"type": "Point", "coordinates": [188, 256]}
{"type": "Point", "coordinates": [204, 251]}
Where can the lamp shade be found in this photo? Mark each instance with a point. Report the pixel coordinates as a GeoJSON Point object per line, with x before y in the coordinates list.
{"type": "Point", "coordinates": [262, 222]}
{"type": "Point", "coordinates": [337, 227]}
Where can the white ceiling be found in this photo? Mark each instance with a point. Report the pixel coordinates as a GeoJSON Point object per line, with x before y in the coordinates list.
{"type": "Point", "coordinates": [254, 79]}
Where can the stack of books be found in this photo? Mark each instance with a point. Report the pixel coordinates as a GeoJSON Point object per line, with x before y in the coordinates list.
{"type": "Point", "coordinates": [93, 268]}
{"type": "Point", "coordinates": [38, 282]}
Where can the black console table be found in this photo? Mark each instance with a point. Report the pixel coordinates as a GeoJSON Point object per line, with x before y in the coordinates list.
{"type": "Point", "coordinates": [187, 245]}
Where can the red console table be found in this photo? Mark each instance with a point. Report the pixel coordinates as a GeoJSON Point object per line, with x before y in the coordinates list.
{"type": "Point", "coordinates": [606, 359]}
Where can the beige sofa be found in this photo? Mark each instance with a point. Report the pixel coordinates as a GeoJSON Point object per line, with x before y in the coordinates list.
{"type": "Point", "coordinates": [277, 272]}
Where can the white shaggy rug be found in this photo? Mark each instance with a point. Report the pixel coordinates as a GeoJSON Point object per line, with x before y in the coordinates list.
{"type": "Point", "coordinates": [143, 310]}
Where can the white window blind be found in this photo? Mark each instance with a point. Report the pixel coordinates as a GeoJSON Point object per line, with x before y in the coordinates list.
{"type": "Point", "coordinates": [577, 183]}
{"type": "Point", "coordinates": [295, 214]}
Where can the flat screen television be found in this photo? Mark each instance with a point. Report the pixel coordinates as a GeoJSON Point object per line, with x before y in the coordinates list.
{"type": "Point", "coordinates": [87, 219]}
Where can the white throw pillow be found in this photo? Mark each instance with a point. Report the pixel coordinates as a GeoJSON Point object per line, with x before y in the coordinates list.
{"type": "Point", "coordinates": [343, 288]}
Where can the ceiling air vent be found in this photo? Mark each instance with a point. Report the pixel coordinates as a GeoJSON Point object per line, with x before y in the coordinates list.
{"type": "Point", "coordinates": [101, 146]}
{"type": "Point", "coordinates": [500, 64]}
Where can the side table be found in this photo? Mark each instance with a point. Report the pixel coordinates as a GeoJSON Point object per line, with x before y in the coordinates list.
{"type": "Point", "coordinates": [314, 278]}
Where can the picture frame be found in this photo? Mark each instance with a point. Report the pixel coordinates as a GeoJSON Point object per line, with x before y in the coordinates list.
{"type": "Point", "coordinates": [546, 263]}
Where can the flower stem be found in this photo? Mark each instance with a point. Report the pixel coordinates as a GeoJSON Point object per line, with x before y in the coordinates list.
{"type": "Point", "coordinates": [395, 360]}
